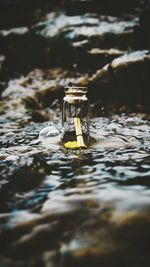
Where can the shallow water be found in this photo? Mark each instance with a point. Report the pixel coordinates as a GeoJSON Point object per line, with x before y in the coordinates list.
{"type": "Point", "coordinates": [70, 208]}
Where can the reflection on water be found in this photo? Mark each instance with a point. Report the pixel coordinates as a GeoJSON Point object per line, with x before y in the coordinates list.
{"type": "Point", "coordinates": [91, 207]}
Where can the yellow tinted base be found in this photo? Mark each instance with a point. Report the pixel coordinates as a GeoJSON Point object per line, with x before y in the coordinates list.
{"type": "Point", "coordinates": [73, 145]}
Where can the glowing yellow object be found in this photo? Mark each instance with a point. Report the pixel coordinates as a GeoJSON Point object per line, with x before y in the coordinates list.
{"type": "Point", "coordinates": [71, 145]}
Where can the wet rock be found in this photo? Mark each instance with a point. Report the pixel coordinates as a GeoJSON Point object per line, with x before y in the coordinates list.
{"type": "Point", "coordinates": [49, 131]}
{"type": "Point", "coordinates": [75, 36]}
{"type": "Point", "coordinates": [97, 57]}
{"type": "Point", "coordinates": [36, 96]}
{"type": "Point", "coordinates": [12, 158]}
{"type": "Point", "coordinates": [125, 79]}
{"type": "Point", "coordinates": [47, 43]}
{"type": "Point", "coordinates": [29, 99]}
{"type": "Point", "coordinates": [134, 121]}
{"type": "Point", "coordinates": [106, 52]}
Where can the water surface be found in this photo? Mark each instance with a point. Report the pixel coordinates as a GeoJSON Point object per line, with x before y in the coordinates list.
{"type": "Point", "coordinates": [78, 208]}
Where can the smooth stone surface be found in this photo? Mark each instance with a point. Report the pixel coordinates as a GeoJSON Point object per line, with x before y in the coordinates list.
{"type": "Point", "coordinates": [50, 131]}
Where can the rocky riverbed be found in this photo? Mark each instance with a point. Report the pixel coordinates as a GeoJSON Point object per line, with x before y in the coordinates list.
{"type": "Point", "coordinates": [74, 208]}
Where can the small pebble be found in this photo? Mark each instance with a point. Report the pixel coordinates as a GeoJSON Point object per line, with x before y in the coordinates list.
{"type": "Point", "coordinates": [50, 131]}
{"type": "Point", "coordinates": [50, 137]}
{"type": "Point", "coordinates": [130, 122]}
